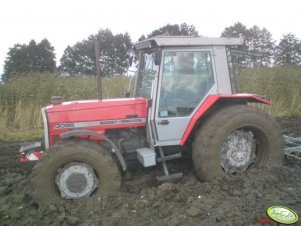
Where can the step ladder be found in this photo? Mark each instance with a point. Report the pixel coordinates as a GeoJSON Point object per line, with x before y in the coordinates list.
{"type": "Point", "coordinates": [163, 159]}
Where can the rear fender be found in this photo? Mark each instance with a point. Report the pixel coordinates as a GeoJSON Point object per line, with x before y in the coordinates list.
{"type": "Point", "coordinates": [114, 148]}
{"type": "Point", "coordinates": [212, 101]}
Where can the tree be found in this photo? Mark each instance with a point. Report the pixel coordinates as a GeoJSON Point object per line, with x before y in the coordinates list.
{"type": "Point", "coordinates": [288, 51]}
{"type": "Point", "coordinates": [114, 55]}
{"type": "Point", "coordinates": [79, 59]}
{"type": "Point", "coordinates": [256, 39]}
{"type": "Point", "coordinates": [236, 31]}
{"type": "Point", "coordinates": [261, 41]}
{"type": "Point", "coordinates": [174, 29]}
{"type": "Point", "coordinates": [46, 59]}
{"type": "Point", "coordinates": [22, 59]}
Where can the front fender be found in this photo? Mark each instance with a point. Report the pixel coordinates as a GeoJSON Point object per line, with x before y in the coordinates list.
{"type": "Point", "coordinates": [212, 100]}
{"type": "Point", "coordinates": [103, 137]}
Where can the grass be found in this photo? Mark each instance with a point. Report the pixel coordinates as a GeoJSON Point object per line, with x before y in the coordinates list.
{"type": "Point", "coordinates": [281, 85]}
{"type": "Point", "coordinates": [22, 98]}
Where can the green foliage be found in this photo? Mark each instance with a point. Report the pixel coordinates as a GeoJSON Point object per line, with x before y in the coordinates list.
{"type": "Point", "coordinates": [256, 39]}
{"type": "Point", "coordinates": [23, 59]}
{"type": "Point", "coordinates": [115, 54]}
{"type": "Point", "coordinates": [235, 31]}
{"type": "Point", "coordinates": [288, 51]}
{"type": "Point", "coordinates": [22, 98]}
{"type": "Point", "coordinates": [281, 85]}
{"type": "Point", "coordinates": [173, 29]}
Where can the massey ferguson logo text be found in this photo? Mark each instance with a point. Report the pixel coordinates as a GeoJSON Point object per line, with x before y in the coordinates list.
{"type": "Point", "coordinates": [99, 123]}
{"type": "Point", "coordinates": [121, 121]}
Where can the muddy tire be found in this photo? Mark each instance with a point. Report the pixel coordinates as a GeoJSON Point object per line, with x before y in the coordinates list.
{"type": "Point", "coordinates": [208, 149]}
{"type": "Point", "coordinates": [91, 166]}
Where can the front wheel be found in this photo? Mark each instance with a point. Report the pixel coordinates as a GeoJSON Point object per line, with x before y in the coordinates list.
{"type": "Point", "coordinates": [235, 139]}
{"type": "Point", "coordinates": [75, 169]}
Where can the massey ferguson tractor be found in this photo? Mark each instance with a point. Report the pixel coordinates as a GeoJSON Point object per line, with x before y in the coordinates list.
{"type": "Point", "coordinates": [184, 101]}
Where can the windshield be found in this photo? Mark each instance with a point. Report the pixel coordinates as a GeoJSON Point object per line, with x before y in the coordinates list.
{"type": "Point", "coordinates": [146, 75]}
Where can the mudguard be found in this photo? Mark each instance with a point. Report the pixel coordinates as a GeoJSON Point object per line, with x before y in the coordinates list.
{"type": "Point", "coordinates": [102, 137]}
{"type": "Point", "coordinates": [211, 101]}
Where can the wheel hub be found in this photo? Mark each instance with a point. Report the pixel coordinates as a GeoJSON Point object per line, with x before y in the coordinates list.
{"type": "Point", "coordinates": [76, 180]}
{"type": "Point", "coordinates": [238, 151]}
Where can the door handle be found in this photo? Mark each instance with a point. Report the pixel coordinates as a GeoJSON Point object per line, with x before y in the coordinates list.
{"type": "Point", "coordinates": [163, 122]}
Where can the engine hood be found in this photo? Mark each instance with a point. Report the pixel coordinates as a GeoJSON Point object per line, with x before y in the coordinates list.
{"type": "Point", "coordinates": [92, 104]}
{"type": "Point", "coordinates": [94, 115]}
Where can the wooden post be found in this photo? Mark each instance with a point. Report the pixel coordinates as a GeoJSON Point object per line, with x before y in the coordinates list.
{"type": "Point", "coordinates": [97, 61]}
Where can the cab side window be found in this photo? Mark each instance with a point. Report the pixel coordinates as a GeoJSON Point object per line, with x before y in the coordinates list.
{"type": "Point", "coordinates": [186, 79]}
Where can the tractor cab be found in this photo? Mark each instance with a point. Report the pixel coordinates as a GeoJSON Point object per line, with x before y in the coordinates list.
{"type": "Point", "coordinates": [177, 74]}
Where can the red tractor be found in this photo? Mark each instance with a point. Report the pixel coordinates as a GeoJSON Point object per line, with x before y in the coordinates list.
{"type": "Point", "coordinates": [184, 100]}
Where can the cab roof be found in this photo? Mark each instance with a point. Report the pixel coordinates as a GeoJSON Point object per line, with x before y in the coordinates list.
{"type": "Point", "coordinates": [182, 41]}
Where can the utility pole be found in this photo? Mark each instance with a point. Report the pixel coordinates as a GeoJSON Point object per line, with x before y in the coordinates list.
{"type": "Point", "coordinates": [97, 61]}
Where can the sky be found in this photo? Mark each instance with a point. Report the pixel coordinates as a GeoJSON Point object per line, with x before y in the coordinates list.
{"type": "Point", "coordinates": [65, 22]}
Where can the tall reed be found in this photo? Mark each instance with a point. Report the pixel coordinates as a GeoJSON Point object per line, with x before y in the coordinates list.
{"type": "Point", "coordinates": [281, 85]}
{"type": "Point", "coordinates": [21, 98]}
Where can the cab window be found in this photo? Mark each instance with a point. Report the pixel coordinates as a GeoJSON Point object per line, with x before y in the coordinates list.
{"type": "Point", "coordinates": [187, 76]}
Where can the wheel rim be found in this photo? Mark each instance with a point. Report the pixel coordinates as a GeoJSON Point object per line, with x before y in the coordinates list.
{"type": "Point", "coordinates": [76, 180]}
{"type": "Point", "coordinates": [238, 151]}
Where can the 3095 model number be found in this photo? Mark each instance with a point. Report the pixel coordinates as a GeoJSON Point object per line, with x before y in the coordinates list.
{"type": "Point", "coordinates": [64, 125]}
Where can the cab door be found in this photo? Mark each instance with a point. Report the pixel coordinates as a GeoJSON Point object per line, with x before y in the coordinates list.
{"type": "Point", "coordinates": [187, 78]}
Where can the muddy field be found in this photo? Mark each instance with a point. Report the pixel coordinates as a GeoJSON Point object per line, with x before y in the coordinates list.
{"type": "Point", "coordinates": [239, 200]}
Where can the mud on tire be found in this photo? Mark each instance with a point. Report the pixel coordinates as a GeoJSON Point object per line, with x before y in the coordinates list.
{"type": "Point", "coordinates": [210, 140]}
{"type": "Point", "coordinates": [88, 153]}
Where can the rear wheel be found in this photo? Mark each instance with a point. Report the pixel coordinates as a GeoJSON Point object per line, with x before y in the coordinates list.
{"type": "Point", "coordinates": [235, 139]}
{"type": "Point", "coordinates": [74, 170]}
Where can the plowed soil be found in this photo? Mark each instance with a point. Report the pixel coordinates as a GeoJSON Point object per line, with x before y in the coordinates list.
{"type": "Point", "coordinates": [237, 200]}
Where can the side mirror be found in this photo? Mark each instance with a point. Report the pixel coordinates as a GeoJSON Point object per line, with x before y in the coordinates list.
{"type": "Point", "coordinates": [158, 57]}
{"type": "Point", "coordinates": [127, 94]}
